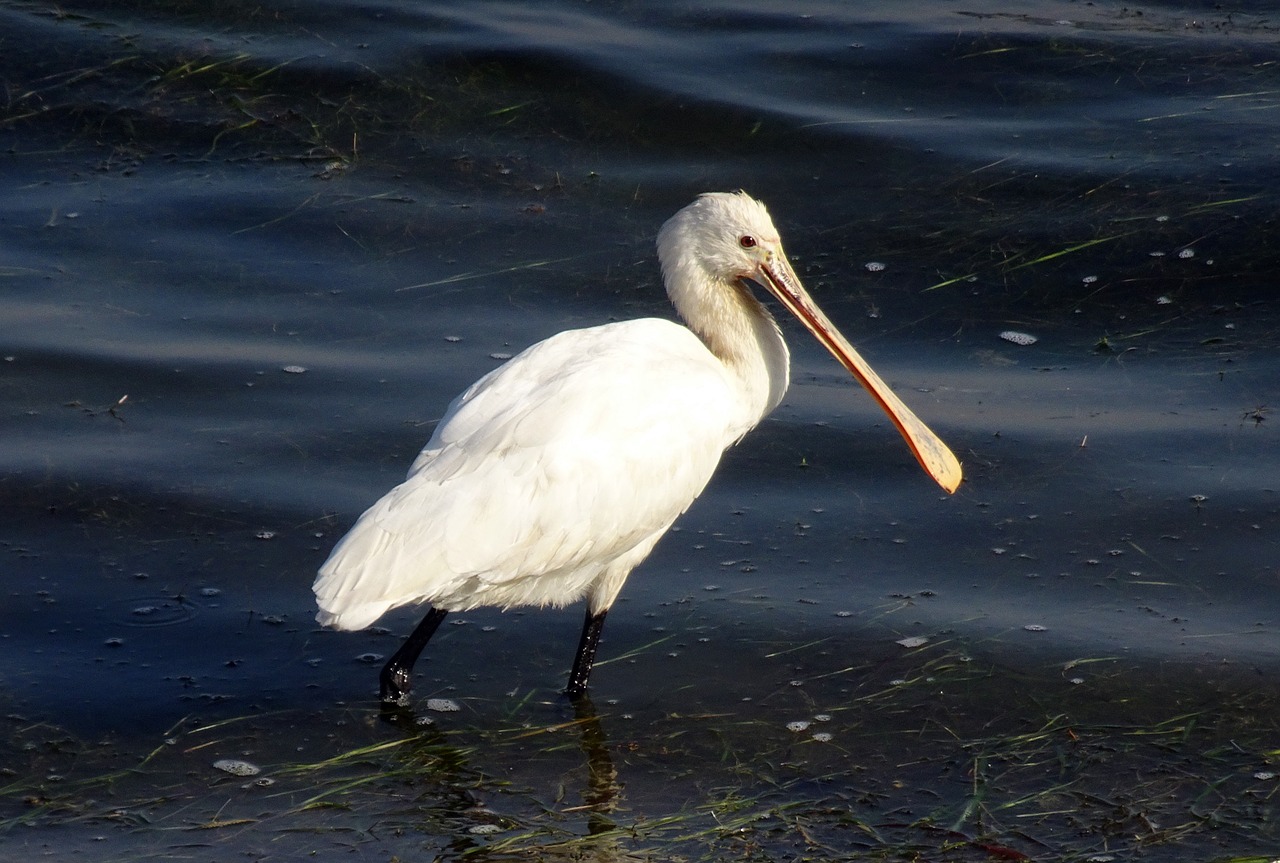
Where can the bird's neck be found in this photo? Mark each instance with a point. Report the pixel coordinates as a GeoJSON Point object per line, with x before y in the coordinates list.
{"type": "Point", "coordinates": [740, 332]}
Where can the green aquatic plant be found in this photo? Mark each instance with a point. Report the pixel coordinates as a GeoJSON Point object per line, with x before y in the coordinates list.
{"type": "Point", "coordinates": [943, 755]}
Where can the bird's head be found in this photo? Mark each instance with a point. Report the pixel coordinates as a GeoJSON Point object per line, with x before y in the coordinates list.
{"type": "Point", "coordinates": [727, 239]}
{"type": "Point", "coordinates": [724, 236]}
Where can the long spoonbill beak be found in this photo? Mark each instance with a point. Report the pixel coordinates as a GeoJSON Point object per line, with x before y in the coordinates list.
{"type": "Point", "coordinates": [775, 274]}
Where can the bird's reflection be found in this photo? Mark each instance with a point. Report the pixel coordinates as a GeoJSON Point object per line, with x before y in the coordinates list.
{"type": "Point", "coordinates": [459, 790]}
{"type": "Point", "coordinates": [601, 795]}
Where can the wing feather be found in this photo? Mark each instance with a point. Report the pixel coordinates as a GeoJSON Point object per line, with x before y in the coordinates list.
{"type": "Point", "coordinates": [574, 455]}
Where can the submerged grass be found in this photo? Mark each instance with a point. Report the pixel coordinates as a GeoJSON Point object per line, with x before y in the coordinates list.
{"type": "Point", "coordinates": [954, 760]}
{"type": "Point", "coordinates": [1015, 263]}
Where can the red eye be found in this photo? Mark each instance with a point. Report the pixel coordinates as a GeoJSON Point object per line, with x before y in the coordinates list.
{"type": "Point", "coordinates": [747, 241]}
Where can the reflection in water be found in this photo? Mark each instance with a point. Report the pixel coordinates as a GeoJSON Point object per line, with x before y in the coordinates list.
{"type": "Point", "coordinates": [603, 789]}
{"type": "Point", "coordinates": [455, 807]}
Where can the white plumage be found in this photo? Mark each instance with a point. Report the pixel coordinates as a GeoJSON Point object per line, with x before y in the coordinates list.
{"type": "Point", "coordinates": [554, 475]}
{"type": "Point", "coordinates": [538, 481]}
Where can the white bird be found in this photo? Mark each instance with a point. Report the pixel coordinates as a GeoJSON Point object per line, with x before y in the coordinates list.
{"type": "Point", "coordinates": [554, 475]}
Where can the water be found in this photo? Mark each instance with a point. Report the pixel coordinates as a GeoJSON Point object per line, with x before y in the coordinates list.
{"type": "Point", "coordinates": [250, 253]}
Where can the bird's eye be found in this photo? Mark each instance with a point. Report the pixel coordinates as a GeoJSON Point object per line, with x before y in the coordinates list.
{"type": "Point", "coordinates": [747, 241]}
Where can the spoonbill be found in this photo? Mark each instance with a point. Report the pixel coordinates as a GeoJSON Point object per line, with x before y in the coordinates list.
{"type": "Point", "coordinates": [554, 475]}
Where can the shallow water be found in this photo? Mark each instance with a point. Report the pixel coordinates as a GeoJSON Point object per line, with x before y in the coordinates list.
{"type": "Point", "coordinates": [250, 253]}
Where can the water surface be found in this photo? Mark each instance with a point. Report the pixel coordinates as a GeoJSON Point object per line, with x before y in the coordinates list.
{"type": "Point", "coordinates": [251, 252]}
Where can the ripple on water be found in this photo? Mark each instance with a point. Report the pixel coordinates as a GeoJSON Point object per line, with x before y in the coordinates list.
{"type": "Point", "coordinates": [154, 611]}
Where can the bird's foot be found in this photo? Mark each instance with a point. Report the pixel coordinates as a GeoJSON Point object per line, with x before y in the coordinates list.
{"type": "Point", "coordinates": [581, 704]}
{"type": "Point", "coordinates": [395, 686]}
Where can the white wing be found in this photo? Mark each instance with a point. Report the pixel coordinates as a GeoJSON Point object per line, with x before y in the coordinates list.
{"type": "Point", "coordinates": [548, 479]}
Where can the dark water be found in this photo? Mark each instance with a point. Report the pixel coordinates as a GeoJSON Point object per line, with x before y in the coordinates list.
{"type": "Point", "coordinates": [251, 251]}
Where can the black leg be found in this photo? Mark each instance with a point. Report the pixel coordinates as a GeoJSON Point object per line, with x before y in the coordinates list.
{"type": "Point", "coordinates": [397, 674]}
{"type": "Point", "coordinates": [586, 653]}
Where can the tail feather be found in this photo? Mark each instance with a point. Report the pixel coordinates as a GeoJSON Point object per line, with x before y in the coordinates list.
{"type": "Point", "coordinates": [351, 619]}
{"type": "Point", "coordinates": [348, 598]}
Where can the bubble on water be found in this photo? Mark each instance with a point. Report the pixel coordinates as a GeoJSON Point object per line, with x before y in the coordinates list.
{"type": "Point", "coordinates": [844, 614]}
{"type": "Point", "coordinates": [913, 641]}
{"type": "Point", "coordinates": [453, 338]}
{"type": "Point", "coordinates": [265, 534]}
{"type": "Point", "coordinates": [1162, 218]}
{"type": "Point", "coordinates": [798, 725]}
{"type": "Point", "coordinates": [113, 642]}
{"type": "Point", "coordinates": [209, 592]}
{"type": "Point", "coordinates": [1035, 627]}
{"type": "Point", "coordinates": [1089, 280]}
{"type": "Point", "coordinates": [484, 829]}
{"type": "Point", "coordinates": [1156, 254]}
{"type": "Point", "coordinates": [264, 782]}
{"type": "Point", "coordinates": [369, 658]}
{"type": "Point", "coordinates": [822, 717]}
{"type": "Point", "coordinates": [1187, 253]}
{"type": "Point", "coordinates": [144, 610]}
{"type": "Point", "coordinates": [1163, 300]}
{"type": "Point", "coordinates": [874, 267]}
{"type": "Point", "coordinates": [1018, 338]}
{"type": "Point", "coordinates": [294, 370]}
{"type": "Point", "coordinates": [1264, 775]}
{"type": "Point", "coordinates": [236, 767]}
{"type": "Point", "coordinates": [500, 356]}
{"type": "Point", "coordinates": [822, 736]}
{"type": "Point", "coordinates": [443, 705]}
{"type": "Point", "coordinates": [1076, 681]}
{"type": "Point", "coordinates": [424, 721]}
